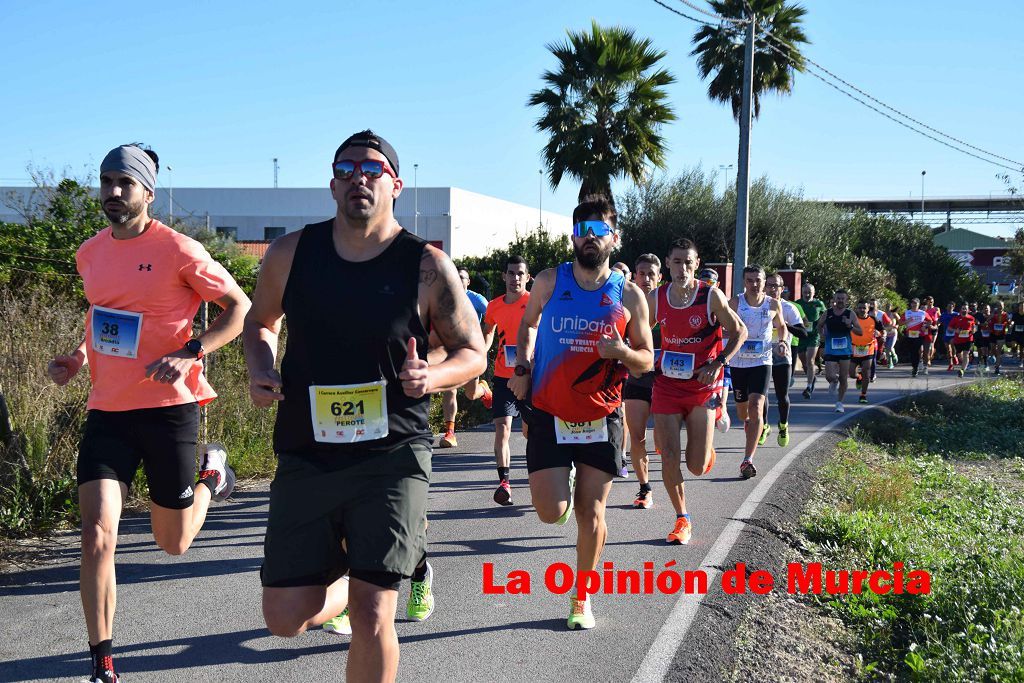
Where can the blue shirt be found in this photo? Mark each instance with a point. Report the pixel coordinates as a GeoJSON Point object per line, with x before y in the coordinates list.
{"type": "Point", "coordinates": [479, 302]}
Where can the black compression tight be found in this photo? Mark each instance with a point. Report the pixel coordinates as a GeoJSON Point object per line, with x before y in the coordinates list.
{"type": "Point", "coordinates": [781, 375]}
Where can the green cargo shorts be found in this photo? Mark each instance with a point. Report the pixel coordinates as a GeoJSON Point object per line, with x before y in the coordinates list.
{"type": "Point", "coordinates": [378, 505]}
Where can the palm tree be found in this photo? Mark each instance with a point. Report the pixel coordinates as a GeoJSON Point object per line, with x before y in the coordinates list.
{"type": "Point", "coordinates": [719, 49]}
{"type": "Point", "coordinates": [603, 108]}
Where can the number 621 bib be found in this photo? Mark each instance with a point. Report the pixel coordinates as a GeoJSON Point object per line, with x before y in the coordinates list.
{"type": "Point", "coordinates": [349, 413]}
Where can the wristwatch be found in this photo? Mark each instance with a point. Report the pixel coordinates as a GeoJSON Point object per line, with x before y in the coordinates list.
{"type": "Point", "coordinates": [521, 370]}
{"type": "Point", "coordinates": [195, 347]}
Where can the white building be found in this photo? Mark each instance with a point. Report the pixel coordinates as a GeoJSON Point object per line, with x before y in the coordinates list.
{"type": "Point", "coordinates": [460, 222]}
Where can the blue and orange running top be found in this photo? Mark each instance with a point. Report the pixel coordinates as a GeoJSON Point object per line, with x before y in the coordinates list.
{"type": "Point", "coordinates": [570, 379]}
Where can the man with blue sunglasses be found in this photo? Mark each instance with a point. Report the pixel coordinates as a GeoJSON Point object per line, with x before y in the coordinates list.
{"type": "Point", "coordinates": [572, 356]}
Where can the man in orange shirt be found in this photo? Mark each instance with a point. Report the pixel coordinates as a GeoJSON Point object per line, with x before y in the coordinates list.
{"type": "Point", "coordinates": [865, 345]}
{"type": "Point", "coordinates": [144, 283]}
{"type": "Point", "coordinates": [501, 320]}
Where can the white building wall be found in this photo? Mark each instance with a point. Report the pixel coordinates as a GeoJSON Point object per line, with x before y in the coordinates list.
{"type": "Point", "coordinates": [481, 223]}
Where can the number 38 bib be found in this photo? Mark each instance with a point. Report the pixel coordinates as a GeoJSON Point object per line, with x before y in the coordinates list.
{"type": "Point", "coordinates": [116, 333]}
{"type": "Point", "coordinates": [349, 413]}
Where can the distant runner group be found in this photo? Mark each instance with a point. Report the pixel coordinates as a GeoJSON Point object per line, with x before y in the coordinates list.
{"type": "Point", "coordinates": [585, 358]}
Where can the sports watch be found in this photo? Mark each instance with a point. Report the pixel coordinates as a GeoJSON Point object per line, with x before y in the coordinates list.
{"type": "Point", "coordinates": [522, 370]}
{"type": "Point", "coordinates": [195, 347]}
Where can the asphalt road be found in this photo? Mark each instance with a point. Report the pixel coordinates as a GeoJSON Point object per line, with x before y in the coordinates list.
{"type": "Point", "coordinates": [198, 615]}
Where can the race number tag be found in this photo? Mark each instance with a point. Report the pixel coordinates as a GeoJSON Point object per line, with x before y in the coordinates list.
{"type": "Point", "coordinates": [963, 334]}
{"type": "Point", "coordinates": [116, 333]}
{"type": "Point", "coordinates": [594, 431]}
{"type": "Point", "coordinates": [985, 333]}
{"type": "Point", "coordinates": [349, 413]}
{"type": "Point", "coordinates": [997, 327]}
{"type": "Point", "coordinates": [862, 350]}
{"type": "Point", "coordinates": [510, 355]}
{"type": "Point", "coordinates": [839, 344]}
{"type": "Point", "coordinates": [913, 334]}
{"type": "Point", "coordinates": [1018, 328]}
{"type": "Point", "coordinates": [754, 349]}
{"type": "Point", "coordinates": [677, 365]}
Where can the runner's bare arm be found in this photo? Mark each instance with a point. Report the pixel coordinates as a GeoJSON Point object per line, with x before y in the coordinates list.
{"type": "Point", "coordinates": [263, 322]}
{"type": "Point", "coordinates": [228, 325]}
{"type": "Point", "coordinates": [638, 357]}
{"type": "Point", "coordinates": [652, 308]}
{"type": "Point", "coordinates": [855, 324]}
{"type": "Point", "coordinates": [448, 312]}
{"type": "Point", "coordinates": [65, 366]}
{"type": "Point", "coordinates": [779, 322]}
{"type": "Point", "coordinates": [488, 329]}
{"type": "Point", "coordinates": [728, 318]}
{"type": "Point", "coordinates": [543, 286]}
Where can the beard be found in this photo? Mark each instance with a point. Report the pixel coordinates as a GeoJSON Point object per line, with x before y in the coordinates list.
{"type": "Point", "coordinates": [591, 255]}
{"type": "Point", "coordinates": [123, 212]}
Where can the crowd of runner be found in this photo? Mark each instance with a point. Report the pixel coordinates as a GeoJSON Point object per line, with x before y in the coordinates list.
{"type": "Point", "coordinates": [585, 357]}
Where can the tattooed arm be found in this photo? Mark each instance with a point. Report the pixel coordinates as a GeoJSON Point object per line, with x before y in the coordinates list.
{"type": "Point", "coordinates": [446, 311]}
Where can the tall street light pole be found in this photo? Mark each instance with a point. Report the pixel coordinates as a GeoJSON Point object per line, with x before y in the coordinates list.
{"type": "Point", "coordinates": [922, 195]}
{"type": "Point", "coordinates": [743, 163]}
{"type": "Point", "coordinates": [725, 185]}
{"type": "Point", "coordinates": [416, 199]}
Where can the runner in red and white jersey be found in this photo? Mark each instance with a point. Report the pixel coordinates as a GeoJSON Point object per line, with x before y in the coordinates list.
{"type": "Point", "coordinates": [916, 322]}
{"type": "Point", "coordinates": [691, 315]}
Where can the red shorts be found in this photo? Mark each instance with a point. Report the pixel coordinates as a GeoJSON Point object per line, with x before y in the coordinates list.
{"type": "Point", "coordinates": [680, 396]}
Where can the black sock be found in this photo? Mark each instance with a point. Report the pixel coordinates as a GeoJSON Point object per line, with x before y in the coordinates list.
{"type": "Point", "coordinates": [503, 473]}
{"type": "Point", "coordinates": [420, 573]}
{"type": "Point", "coordinates": [102, 661]}
{"type": "Point", "coordinates": [212, 479]}
{"type": "Point", "coordinates": [645, 487]}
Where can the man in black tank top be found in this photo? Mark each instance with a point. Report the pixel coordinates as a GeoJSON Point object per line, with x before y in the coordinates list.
{"type": "Point", "coordinates": [349, 497]}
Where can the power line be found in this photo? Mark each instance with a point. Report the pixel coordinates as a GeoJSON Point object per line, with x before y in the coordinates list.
{"type": "Point", "coordinates": [40, 272]}
{"type": "Point", "coordinates": [685, 16]}
{"type": "Point", "coordinates": [39, 258]}
{"type": "Point", "coordinates": [789, 53]}
{"type": "Point", "coordinates": [719, 17]}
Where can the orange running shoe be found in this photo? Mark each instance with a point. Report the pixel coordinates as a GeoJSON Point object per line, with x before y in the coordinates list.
{"type": "Point", "coordinates": [711, 462]}
{"type": "Point", "coordinates": [681, 533]}
{"type": "Point", "coordinates": [488, 398]}
{"type": "Point", "coordinates": [644, 500]}
{"type": "Point", "coordinates": [448, 440]}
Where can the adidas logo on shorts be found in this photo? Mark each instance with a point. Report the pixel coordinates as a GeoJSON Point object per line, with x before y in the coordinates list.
{"type": "Point", "coordinates": [186, 493]}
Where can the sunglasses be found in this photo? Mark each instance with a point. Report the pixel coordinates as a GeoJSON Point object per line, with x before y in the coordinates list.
{"type": "Point", "coordinates": [596, 228]}
{"type": "Point", "coordinates": [371, 168]}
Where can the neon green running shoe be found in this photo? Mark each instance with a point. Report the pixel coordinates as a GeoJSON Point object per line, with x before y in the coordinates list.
{"type": "Point", "coordinates": [421, 597]}
{"type": "Point", "coordinates": [581, 616]}
{"type": "Point", "coordinates": [572, 491]}
{"type": "Point", "coordinates": [339, 624]}
{"type": "Point", "coordinates": [783, 434]}
{"type": "Point", "coordinates": [765, 431]}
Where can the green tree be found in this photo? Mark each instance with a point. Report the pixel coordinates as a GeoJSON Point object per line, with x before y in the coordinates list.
{"type": "Point", "coordinates": [719, 50]}
{"type": "Point", "coordinates": [540, 248]}
{"type": "Point", "coordinates": [603, 108]}
{"type": "Point", "coordinates": [1016, 255]}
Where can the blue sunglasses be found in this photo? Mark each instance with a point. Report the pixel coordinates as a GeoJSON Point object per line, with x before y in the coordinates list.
{"type": "Point", "coordinates": [597, 228]}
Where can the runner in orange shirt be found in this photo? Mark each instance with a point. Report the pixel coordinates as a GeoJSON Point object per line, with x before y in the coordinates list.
{"type": "Point", "coordinates": [865, 345]}
{"type": "Point", "coordinates": [144, 283]}
{"type": "Point", "coordinates": [501, 321]}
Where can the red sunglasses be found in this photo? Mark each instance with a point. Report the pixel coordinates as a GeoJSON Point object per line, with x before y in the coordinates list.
{"type": "Point", "coordinates": [371, 168]}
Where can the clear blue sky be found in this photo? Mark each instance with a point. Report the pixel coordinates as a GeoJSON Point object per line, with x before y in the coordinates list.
{"type": "Point", "coordinates": [220, 88]}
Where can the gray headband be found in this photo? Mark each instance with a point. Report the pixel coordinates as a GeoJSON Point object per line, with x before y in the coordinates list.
{"type": "Point", "coordinates": [132, 161]}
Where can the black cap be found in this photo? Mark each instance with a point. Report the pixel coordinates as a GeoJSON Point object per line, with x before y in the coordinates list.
{"type": "Point", "coordinates": [367, 138]}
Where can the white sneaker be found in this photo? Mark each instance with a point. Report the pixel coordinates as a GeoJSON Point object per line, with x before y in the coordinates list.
{"type": "Point", "coordinates": [839, 407]}
{"type": "Point", "coordinates": [723, 423]}
{"type": "Point", "coordinates": [581, 614]}
{"type": "Point", "coordinates": [215, 457]}
{"type": "Point", "coordinates": [572, 494]}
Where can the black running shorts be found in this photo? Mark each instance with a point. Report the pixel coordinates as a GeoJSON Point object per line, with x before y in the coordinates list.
{"type": "Point", "coordinates": [505, 402]}
{"type": "Point", "coordinates": [635, 391]}
{"type": "Point", "coordinates": [747, 381]}
{"type": "Point", "coordinates": [162, 439]}
{"type": "Point", "coordinates": [544, 452]}
{"type": "Point", "coordinates": [376, 502]}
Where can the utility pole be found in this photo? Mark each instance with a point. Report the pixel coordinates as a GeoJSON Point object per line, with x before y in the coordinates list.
{"type": "Point", "coordinates": [275, 172]}
{"type": "Point", "coordinates": [922, 195]}
{"type": "Point", "coordinates": [743, 165]}
{"type": "Point", "coordinates": [416, 199]}
{"type": "Point", "coordinates": [540, 197]}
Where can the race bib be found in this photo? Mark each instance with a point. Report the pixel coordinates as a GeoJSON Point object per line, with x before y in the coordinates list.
{"type": "Point", "coordinates": [1018, 328]}
{"type": "Point", "coordinates": [594, 431]}
{"type": "Point", "coordinates": [839, 344]}
{"type": "Point", "coordinates": [913, 334]}
{"type": "Point", "coordinates": [677, 365]}
{"type": "Point", "coordinates": [862, 350]}
{"type": "Point", "coordinates": [349, 413]}
{"type": "Point", "coordinates": [997, 327]}
{"type": "Point", "coordinates": [754, 349]}
{"type": "Point", "coordinates": [116, 333]}
{"type": "Point", "coordinates": [510, 355]}
{"type": "Point", "coordinates": [963, 334]}
{"type": "Point", "coordinates": [985, 333]}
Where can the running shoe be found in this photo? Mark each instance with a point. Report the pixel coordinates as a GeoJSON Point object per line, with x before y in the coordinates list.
{"type": "Point", "coordinates": [503, 494]}
{"type": "Point", "coordinates": [808, 391]}
{"type": "Point", "coordinates": [104, 672]}
{"type": "Point", "coordinates": [572, 494]}
{"type": "Point", "coordinates": [832, 386]}
{"type": "Point", "coordinates": [766, 429]}
{"type": "Point", "coordinates": [783, 435]}
{"type": "Point", "coordinates": [950, 368]}
{"type": "Point", "coordinates": [680, 534]}
{"type": "Point", "coordinates": [421, 597]}
{"type": "Point", "coordinates": [863, 399]}
{"type": "Point", "coordinates": [581, 615]}
{"type": "Point", "coordinates": [747, 469]}
{"type": "Point", "coordinates": [340, 624]}
{"type": "Point", "coordinates": [723, 423]}
{"type": "Point", "coordinates": [623, 472]}
{"type": "Point", "coordinates": [913, 373]}
{"type": "Point", "coordinates": [711, 461]}
{"type": "Point", "coordinates": [644, 500]}
{"type": "Point", "coordinates": [215, 460]}
{"type": "Point", "coordinates": [859, 382]}
{"type": "Point", "coordinates": [960, 372]}
{"type": "Point", "coordinates": [488, 398]}
{"type": "Point", "coordinates": [926, 369]}
{"type": "Point", "coordinates": [839, 407]}
{"type": "Point", "coordinates": [448, 440]}
{"type": "Point", "coordinates": [991, 360]}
